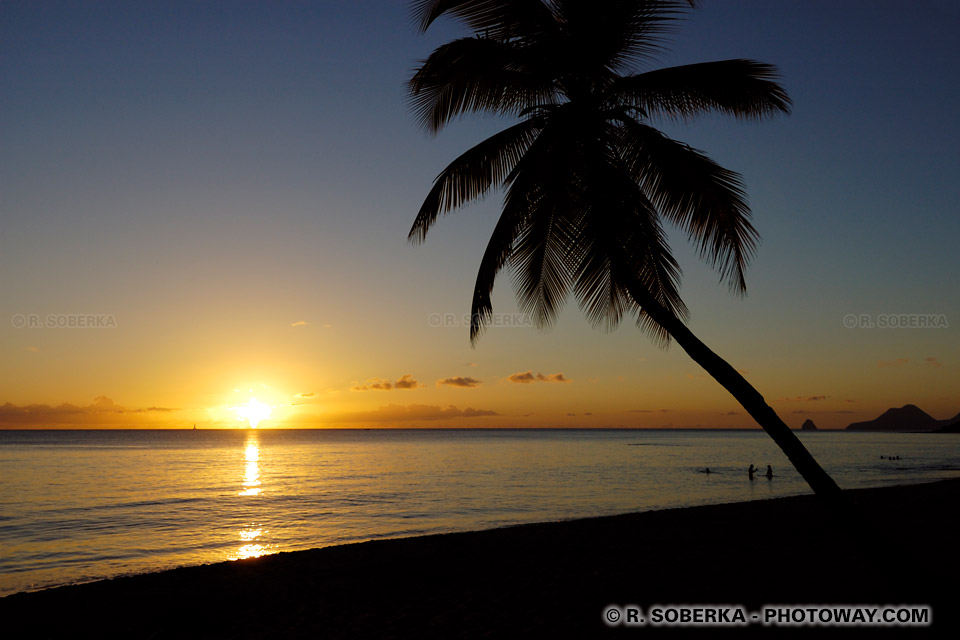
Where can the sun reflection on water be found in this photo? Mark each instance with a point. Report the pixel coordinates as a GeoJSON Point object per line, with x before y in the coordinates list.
{"type": "Point", "coordinates": [250, 551]}
{"type": "Point", "coordinates": [251, 487]}
{"type": "Point", "coordinates": [251, 478]}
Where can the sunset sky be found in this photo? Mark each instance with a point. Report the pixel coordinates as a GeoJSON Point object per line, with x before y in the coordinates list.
{"type": "Point", "coordinates": [224, 189]}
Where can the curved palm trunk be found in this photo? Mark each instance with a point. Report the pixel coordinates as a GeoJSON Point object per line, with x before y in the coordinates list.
{"type": "Point", "coordinates": [748, 397]}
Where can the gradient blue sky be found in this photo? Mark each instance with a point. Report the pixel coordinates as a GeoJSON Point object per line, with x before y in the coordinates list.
{"type": "Point", "coordinates": [232, 183]}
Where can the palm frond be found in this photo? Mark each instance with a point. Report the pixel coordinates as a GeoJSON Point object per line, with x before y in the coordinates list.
{"type": "Point", "coordinates": [597, 281]}
{"type": "Point", "coordinates": [615, 33]}
{"type": "Point", "coordinates": [542, 270]}
{"type": "Point", "coordinates": [659, 275]}
{"type": "Point", "coordinates": [497, 18]}
{"type": "Point", "coordinates": [698, 195]}
{"type": "Point", "coordinates": [474, 75]}
{"type": "Point", "coordinates": [621, 242]}
{"type": "Point", "coordinates": [472, 174]}
{"type": "Point", "coordinates": [745, 89]}
{"type": "Point", "coordinates": [495, 257]}
{"type": "Point", "coordinates": [532, 187]}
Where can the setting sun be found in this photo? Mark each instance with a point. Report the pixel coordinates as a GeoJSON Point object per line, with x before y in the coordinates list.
{"type": "Point", "coordinates": [253, 412]}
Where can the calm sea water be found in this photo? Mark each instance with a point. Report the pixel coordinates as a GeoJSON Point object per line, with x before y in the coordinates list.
{"type": "Point", "coordinates": [82, 505]}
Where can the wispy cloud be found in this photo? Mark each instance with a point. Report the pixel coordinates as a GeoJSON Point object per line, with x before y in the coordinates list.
{"type": "Point", "coordinates": [299, 323]}
{"type": "Point", "coordinates": [103, 411]}
{"type": "Point", "coordinates": [804, 399]}
{"type": "Point", "coordinates": [393, 413]}
{"type": "Point", "coordinates": [405, 381]}
{"type": "Point", "coordinates": [459, 381]}
{"type": "Point", "coordinates": [374, 384]}
{"type": "Point", "coordinates": [932, 362]}
{"type": "Point", "coordinates": [528, 377]}
{"type": "Point", "coordinates": [899, 362]}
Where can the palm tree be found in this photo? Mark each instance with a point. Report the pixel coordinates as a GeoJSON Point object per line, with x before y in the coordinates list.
{"type": "Point", "coordinates": [588, 182]}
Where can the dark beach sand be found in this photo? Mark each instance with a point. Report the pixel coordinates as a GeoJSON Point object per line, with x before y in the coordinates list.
{"type": "Point", "coordinates": [541, 580]}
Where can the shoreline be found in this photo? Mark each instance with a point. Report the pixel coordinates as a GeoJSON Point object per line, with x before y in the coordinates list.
{"type": "Point", "coordinates": [549, 577]}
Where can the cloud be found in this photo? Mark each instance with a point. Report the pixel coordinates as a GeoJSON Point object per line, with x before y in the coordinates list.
{"type": "Point", "coordinates": [102, 412]}
{"type": "Point", "coordinates": [306, 394]}
{"type": "Point", "coordinates": [32, 349]}
{"type": "Point", "coordinates": [804, 399]}
{"type": "Point", "coordinates": [649, 410]}
{"type": "Point", "coordinates": [459, 382]}
{"type": "Point", "coordinates": [299, 323]}
{"type": "Point", "coordinates": [104, 403]}
{"type": "Point", "coordinates": [405, 381]}
{"type": "Point", "coordinates": [899, 362]}
{"type": "Point", "coordinates": [406, 413]}
{"type": "Point", "coordinates": [929, 361]}
{"type": "Point", "coordinates": [374, 384]}
{"type": "Point", "coordinates": [527, 377]}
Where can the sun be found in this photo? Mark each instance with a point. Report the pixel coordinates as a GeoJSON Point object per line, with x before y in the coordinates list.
{"type": "Point", "coordinates": [253, 412]}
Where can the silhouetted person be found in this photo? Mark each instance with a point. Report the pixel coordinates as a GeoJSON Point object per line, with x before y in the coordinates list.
{"type": "Point", "coordinates": [752, 470]}
{"type": "Point", "coordinates": [769, 472]}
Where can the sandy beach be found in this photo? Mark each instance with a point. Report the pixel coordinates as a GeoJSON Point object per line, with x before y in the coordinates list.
{"type": "Point", "coordinates": [548, 578]}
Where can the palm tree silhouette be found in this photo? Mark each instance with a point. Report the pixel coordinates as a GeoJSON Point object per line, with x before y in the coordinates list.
{"type": "Point", "coordinates": [587, 181]}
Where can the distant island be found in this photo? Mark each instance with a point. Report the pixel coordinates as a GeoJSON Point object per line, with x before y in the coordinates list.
{"type": "Point", "coordinates": [910, 418]}
{"type": "Point", "coordinates": [950, 428]}
{"type": "Point", "coordinates": [809, 426]}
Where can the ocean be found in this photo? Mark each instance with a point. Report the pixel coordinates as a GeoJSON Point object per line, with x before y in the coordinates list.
{"type": "Point", "coordinates": [77, 506]}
